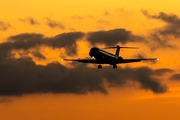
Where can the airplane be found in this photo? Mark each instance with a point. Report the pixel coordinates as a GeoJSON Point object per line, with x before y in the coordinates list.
{"type": "Point", "coordinates": [99, 56]}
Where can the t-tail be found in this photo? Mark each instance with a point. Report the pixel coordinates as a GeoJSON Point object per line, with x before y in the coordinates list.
{"type": "Point", "coordinates": [118, 49]}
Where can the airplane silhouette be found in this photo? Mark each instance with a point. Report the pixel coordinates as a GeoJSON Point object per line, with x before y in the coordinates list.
{"type": "Point", "coordinates": [100, 56]}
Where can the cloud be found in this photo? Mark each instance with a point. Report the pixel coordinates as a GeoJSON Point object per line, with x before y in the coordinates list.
{"type": "Point", "coordinates": [23, 76]}
{"type": "Point", "coordinates": [143, 56]}
{"type": "Point", "coordinates": [168, 18]}
{"type": "Point", "coordinates": [4, 26]}
{"type": "Point", "coordinates": [160, 72]}
{"type": "Point", "coordinates": [103, 22]}
{"type": "Point", "coordinates": [113, 37]}
{"type": "Point", "coordinates": [54, 24]}
{"type": "Point", "coordinates": [28, 41]}
{"type": "Point", "coordinates": [164, 35]}
{"type": "Point", "coordinates": [175, 77]}
{"type": "Point", "coordinates": [173, 23]}
{"type": "Point", "coordinates": [30, 20]}
{"type": "Point", "coordinates": [156, 40]}
{"type": "Point", "coordinates": [140, 56]}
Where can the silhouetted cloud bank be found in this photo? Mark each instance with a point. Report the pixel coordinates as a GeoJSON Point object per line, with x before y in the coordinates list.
{"type": "Point", "coordinates": [28, 41]}
{"type": "Point", "coordinates": [112, 37]}
{"type": "Point", "coordinates": [23, 76]}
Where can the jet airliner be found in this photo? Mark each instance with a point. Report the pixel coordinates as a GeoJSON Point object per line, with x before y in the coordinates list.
{"type": "Point", "coordinates": [100, 56]}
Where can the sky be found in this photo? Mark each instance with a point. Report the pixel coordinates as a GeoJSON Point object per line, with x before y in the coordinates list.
{"type": "Point", "coordinates": [36, 84]}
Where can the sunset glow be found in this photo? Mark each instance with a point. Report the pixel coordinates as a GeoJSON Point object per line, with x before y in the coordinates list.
{"type": "Point", "coordinates": [36, 84]}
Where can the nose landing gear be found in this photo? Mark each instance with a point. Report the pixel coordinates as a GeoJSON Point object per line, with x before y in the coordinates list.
{"type": "Point", "coordinates": [99, 66]}
{"type": "Point", "coordinates": [115, 66]}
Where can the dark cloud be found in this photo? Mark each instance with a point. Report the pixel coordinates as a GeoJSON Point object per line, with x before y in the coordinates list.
{"type": "Point", "coordinates": [30, 20]}
{"type": "Point", "coordinates": [173, 23]}
{"type": "Point", "coordinates": [4, 26]}
{"type": "Point", "coordinates": [28, 41]}
{"type": "Point", "coordinates": [156, 40]}
{"type": "Point", "coordinates": [160, 72]}
{"type": "Point", "coordinates": [175, 77]}
{"type": "Point", "coordinates": [113, 37]}
{"type": "Point", "coordinates": [168, 18]}
{"type": "Point", "coordinates": [67, 40]}
{"type": "Point", "coordinates": [164, 35]}
{"type": "Point", "coordinates": [23, 76]}
{"type": "Point", "coordinates": [54, 24]}
{"type": "Point", "coordinates": [144, 76]}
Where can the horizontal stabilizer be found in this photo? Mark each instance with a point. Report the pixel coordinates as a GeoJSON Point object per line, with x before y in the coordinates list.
{"type": "Point", "coordinates": [118, 49]}
{"type": "Point", "coordinates": [121, 47]}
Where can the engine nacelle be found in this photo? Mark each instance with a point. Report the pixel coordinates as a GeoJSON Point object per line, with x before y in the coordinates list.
{"type": "Point", "coordinates": [120, 58]}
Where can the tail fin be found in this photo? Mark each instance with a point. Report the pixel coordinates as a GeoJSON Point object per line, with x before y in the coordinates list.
{"type": "Point", "coordinates": [118, 49]}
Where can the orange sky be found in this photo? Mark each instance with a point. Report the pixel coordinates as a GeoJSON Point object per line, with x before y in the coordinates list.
{"type": "Point", "coordinates": [127, 102]}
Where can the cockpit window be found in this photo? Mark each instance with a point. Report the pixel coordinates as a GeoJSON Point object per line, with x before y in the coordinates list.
{"type": "Point", "coordinates": [95, 49]}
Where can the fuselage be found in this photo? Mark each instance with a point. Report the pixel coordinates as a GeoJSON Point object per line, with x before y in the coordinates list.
{"type": "Point", "coordinates": [103, 56]}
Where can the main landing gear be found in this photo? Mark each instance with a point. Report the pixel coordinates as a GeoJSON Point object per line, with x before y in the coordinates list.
{"type": "Point", "coordinates": [99, 66]}
{"type": "Point", "coordinates": [115, 66]}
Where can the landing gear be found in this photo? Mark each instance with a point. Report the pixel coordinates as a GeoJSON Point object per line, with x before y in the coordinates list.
{"type": "Point", "coordinates": [99, 66]}
{"type": "Point", "coordinates": [115, 66]}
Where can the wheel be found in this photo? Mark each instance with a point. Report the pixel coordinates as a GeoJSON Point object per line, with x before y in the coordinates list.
{"type": "Point", "coordinates": [99, 66]}
{"type": "Point", "coordinates": [115, 66]}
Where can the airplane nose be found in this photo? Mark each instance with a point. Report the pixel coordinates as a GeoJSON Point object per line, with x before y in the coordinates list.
{"type": "Point", "coordinates": [93, 52]}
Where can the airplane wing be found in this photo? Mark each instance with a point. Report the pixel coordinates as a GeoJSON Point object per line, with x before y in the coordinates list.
{"type": "Point", "coordinates": [115, 61]}
{"type": "Point", "coordinates": [83, 60]}
{"type": "Point", "coordinates": [134, 60]}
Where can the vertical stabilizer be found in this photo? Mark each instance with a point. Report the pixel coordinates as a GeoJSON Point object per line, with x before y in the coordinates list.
{"type": "Point", "coordinates": [118, 50]}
